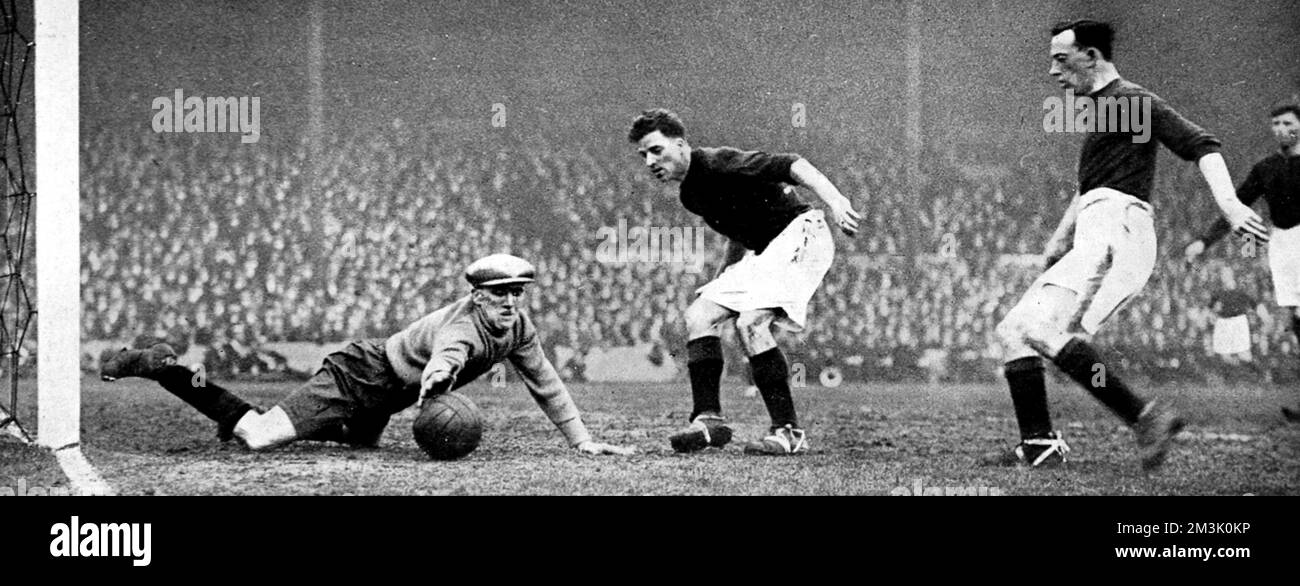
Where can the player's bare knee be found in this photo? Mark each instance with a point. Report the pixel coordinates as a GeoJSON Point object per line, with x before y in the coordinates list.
{"type": "Point", "coordinates": [754, 321]}
{"type": "Point", "coordinates": [1038, 332]}
{"type": "Point", "coordinates": [755, 331]}
{"type": "Point", "coordinates": [1011, 330]}
{"type": "Point", "coordinates": [701, 320]}
{"type": "Point", "coordinates": [1047, 337]}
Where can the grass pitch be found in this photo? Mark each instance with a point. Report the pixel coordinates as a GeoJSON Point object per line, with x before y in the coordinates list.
{"type": "Point", "coordinates": [866, 440]}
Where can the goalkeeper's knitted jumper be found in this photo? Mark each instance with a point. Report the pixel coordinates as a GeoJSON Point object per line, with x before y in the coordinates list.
{"type": "Point", "coordinates": [457, 340]}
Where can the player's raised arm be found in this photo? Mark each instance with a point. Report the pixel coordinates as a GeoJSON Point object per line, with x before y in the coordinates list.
{"type": "Point", "coordinates": [1239, 216]}
{"type": "Point", "coordinates": [805, 174]}
{"type": "Point", "coordinates": [1193, 143]}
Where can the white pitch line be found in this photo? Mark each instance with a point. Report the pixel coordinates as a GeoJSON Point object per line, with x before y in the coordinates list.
{"type": "Point", "coordinates": [12, 428]}
{"type": "Point", "coordinates": [83, 477]}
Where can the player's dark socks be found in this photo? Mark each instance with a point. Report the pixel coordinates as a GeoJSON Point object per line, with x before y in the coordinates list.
{"type": "Point", "coordinates": [1080, 362]}
{"type": "Point", "coordinates": [772, 377]}
{"type": "Point", "coordinates": [704, 362]}
{"type": "Point", "coordinates": [207, 397]}
{"type": "Point", "coordinates": [1029, 396]}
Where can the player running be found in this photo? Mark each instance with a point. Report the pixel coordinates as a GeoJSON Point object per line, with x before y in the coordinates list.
{"type": "Point", "coordinates": [1103, 251]}
{"type": "Point", "coordinates": [1276, 178]}
{"type": "Point", "coordinates": [778, 251]}
{"type": "Point", "coordinates": [357, 389]}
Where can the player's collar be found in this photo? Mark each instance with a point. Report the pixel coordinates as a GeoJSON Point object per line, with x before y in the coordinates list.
{"type": "Point", "coordinates": [1106, 81]}
{"type": "Point", "coordinates": [692, 163]}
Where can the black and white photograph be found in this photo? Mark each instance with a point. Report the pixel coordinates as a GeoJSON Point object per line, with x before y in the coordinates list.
{"type": "Point", "coordinates": [732, 248]}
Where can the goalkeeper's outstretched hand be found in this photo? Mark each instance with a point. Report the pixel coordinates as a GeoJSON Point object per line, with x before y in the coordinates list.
{"type": "Point", "coordinates": [435, 383]}
{"type": "Point", "coordinates": [597, 449]}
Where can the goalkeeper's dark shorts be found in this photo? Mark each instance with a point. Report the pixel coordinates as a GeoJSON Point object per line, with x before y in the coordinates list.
{"type": "Point", "coordinates": [356, 387]}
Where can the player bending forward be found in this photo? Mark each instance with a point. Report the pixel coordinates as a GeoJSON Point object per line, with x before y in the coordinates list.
{"type": "Point", "coordinates": [357, 389]}
{"type": "Point", "coordinates": [1277, 180]}
{"type": "Point", "coordinates": [778, 250]}
{"type": "Point", "coordinates": [1109, 257]}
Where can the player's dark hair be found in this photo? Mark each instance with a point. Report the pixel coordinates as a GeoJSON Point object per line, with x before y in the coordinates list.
{"type": "Point", "coordinates": [1090, 33]}
{"type": "Point", "coordinates": [657, 119]}
{"type": "Point", "coordinates": [1283, 108]}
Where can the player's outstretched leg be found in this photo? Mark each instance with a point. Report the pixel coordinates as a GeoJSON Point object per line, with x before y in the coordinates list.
{"type": "Point", "coordinates": [115, 363]}
{"type": "Point", "coordinates": [158, 363]}
{"type": "Point", "coordinates": [771, 375]}
{"type": "Point", "coordinates": [1039, 322]}
{"type": "Point", "coordinates": [1154, 424]}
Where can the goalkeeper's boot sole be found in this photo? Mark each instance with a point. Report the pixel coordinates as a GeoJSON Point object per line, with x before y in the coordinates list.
{"type": "Point", "coordinates": [116, 363]}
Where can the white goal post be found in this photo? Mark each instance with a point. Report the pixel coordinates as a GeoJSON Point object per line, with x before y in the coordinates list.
{"type": "Point", "coordinates": [58, 225]}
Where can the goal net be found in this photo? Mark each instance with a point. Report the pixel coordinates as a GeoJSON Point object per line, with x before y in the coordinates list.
{"type": "Point", "coordinates": [17, 311]}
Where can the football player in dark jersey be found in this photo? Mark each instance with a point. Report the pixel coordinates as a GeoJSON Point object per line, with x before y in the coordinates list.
{"type": "Point", "coordinates": [778, 250]}
{"type": "Point", "coordinates": [1276, 180]}
{"type": "Point", "coordinates": [1104, 249]}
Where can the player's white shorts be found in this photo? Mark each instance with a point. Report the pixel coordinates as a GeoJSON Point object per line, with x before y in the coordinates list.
{"type": "Point", "coordinates": [784, 276]}
{"type": "Point", "coordinates": [1231, 335]}
{"type": "Point", "coordinates": [1112, 258]}
{"type": "Point", "coordinates": [1284, 262]}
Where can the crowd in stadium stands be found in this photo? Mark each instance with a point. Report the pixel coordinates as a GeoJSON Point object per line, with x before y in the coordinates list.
{"type": "Point", "coordinates": [207, 242]}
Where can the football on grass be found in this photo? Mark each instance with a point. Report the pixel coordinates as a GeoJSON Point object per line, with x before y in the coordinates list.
{"type": "Point", "coordinates": [448, 427]}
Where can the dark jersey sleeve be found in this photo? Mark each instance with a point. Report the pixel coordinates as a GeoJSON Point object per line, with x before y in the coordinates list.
{"type": "Point", "coordinates": [757, 164]}
{"type": "Point", "coordinates": [1180, 135]}
{"type": "Point", "coordinates": [1253, 187]}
